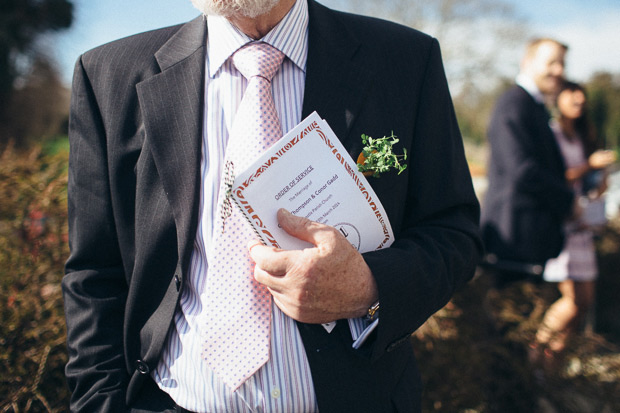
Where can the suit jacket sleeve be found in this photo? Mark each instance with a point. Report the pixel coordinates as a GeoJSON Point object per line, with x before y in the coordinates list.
{"type": "Point", "coordinates": [94, 286]}
{"type": "Point", "coordinates": [437, 245]}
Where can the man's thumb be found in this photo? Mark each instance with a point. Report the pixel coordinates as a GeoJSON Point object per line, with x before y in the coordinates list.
{"type": "Point", "coordinates": [298, 227]}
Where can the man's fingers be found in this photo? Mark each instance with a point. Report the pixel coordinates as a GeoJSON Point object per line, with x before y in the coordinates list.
{"type": "Point", "coordinates": [269, 259]}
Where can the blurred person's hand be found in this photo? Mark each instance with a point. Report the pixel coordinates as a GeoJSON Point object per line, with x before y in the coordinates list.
{"type": "Point", "coordinates": [601, 159]}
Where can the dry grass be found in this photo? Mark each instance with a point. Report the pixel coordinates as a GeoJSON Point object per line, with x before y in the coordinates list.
{"type": "Point", "coordinates": [33, 247]}
{"type": "Point", "coordinates": [473, 353]}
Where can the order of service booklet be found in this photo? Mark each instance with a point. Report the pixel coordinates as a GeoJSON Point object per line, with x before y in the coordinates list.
{"type": "Point", "coordinates": [309, 173]}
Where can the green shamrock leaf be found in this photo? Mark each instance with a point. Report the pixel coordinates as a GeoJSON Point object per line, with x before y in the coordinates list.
{"type": "Point", "coordinates": [377, 156]}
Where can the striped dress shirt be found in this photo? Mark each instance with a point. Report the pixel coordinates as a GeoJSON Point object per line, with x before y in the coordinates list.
{"type": "Point", "coordinates": [284, 383]}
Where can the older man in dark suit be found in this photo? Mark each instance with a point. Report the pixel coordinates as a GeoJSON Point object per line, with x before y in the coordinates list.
{"type": "Point", "coordinates": [150, 119]}
{"type": "Point", "coordinates": [527, 198]}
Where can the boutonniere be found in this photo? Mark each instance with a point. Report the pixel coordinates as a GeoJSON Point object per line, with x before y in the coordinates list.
{"type": "Point", "coordinates": [378, 157]}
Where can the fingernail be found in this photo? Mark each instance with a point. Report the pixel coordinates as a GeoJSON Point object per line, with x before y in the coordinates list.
{"type": "Point", "coordinates": [284, 215]}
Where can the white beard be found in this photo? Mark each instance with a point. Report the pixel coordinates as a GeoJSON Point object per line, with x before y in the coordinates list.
{"type": "Point", "coordinates": [227, 8]}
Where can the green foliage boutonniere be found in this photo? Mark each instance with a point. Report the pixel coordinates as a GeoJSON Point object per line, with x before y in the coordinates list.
{"type": "Point", "coordinates": [377, 156]}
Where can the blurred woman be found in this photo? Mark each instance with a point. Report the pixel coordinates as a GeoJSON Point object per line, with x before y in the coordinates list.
{"type": "Point", "coordinates": [575, 269]}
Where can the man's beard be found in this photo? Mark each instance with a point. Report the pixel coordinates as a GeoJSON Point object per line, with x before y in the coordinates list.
{"type": "Point", "coordinates": [227, 8]}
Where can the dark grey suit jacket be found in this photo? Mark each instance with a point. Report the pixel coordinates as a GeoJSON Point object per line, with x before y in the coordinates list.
{"type": "Point", "coordinates": [135, 133]}
{"type": "Point", "coordinates": [528, 197]}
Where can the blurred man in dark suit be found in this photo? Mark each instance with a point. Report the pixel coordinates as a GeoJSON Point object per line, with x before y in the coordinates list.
{"type": "Point", "coordinates": [527, 198]}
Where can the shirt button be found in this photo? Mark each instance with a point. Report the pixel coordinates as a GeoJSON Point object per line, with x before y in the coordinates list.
{"type": "Point", "coordinates": [275, 393]}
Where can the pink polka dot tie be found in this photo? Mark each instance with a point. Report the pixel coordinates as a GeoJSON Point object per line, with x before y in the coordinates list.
{"type": "Point", "coordinates": [237, 331]}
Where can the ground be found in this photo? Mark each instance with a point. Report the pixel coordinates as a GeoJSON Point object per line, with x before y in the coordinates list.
{"type": "Point", "coordinates": [473, 353]}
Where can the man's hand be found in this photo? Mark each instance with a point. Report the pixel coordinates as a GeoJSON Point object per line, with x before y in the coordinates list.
{"type": "Point", "coordinates": [321, 284]}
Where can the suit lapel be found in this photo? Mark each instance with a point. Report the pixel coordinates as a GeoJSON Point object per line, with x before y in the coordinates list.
{"type": "Point", "coordinates": [336, 78]}
{"type": "Point", "coordinates": [171, 103]}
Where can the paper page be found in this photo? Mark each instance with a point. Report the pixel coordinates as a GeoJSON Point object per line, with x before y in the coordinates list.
{"type": "Point", "coordinates": [309, 173]}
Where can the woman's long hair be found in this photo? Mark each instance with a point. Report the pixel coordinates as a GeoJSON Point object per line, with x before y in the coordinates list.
{"type": "Point", "coordinates": [583, 126]}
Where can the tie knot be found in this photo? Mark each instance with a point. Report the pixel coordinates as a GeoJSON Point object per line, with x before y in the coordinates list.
{"type": "Point", "coordinates": [258, 59]}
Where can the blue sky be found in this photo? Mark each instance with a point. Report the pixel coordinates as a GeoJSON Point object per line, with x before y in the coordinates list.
{"type": "Point", "coordinates": [590, 27]}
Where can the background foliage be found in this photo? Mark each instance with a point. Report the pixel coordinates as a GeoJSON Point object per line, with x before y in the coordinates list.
{"type": "Point", "coordinates": [33, 101]}
{"type": "Point", "coordinates": [22, 22]}
{"type": "Point", "coordinates": [33, 248]}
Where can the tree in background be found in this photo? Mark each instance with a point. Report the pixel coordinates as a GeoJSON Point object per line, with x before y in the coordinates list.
{"type": "Point", "coordinates": [481, 42]}
{"type": "Point", "coordinates": [22, 60]}
{"type": "Point", "coordinates": [480, 45]}
{"type": "Point", "coordinates": [604, 101]}
{"type": "Point", "coordinates": [478, 37]}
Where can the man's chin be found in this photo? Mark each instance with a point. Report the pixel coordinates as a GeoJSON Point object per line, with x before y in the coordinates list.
{"type": "Point", "coordinates": [235, 8]}
{"type": "Point", "coordinates": [550, 86]}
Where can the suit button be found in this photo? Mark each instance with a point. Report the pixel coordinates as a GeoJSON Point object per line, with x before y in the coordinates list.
{"type": "Point", "coordinates": [177, 281]}
{"type": "Point", "coordinates": [142, 367]}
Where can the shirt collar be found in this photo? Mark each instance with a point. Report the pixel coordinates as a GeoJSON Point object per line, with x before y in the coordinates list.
{"type": "Point", "coordinates": [290, 36]}
{"type": "Point", "coordinates": [530, 87]}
